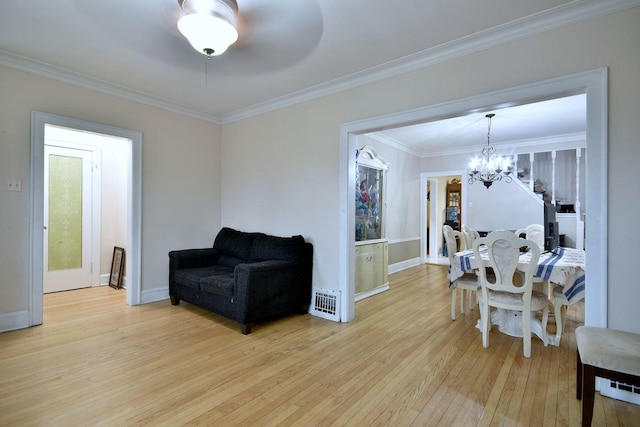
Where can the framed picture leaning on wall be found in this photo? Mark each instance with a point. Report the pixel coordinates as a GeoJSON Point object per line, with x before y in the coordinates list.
{"type": "Point", "coordinates": [117, 268]}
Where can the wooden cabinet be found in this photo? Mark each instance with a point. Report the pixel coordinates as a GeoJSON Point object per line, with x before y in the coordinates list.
{"type": "Point", "coordinates": [370, 195]}
{"type": "Point", "coordinates": [371, 268]}
{"type": "Point", "coordinates": [454, 205]}
{"type": "Point", "coordinates": [371, 251]}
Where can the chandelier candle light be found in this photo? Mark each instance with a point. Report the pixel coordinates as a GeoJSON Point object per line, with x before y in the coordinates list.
{"type": "Point", "coordinates": [490, 167]}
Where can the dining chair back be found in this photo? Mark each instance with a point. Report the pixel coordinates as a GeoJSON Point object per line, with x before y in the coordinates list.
{"type": "Point", "coordinates": [454, 239]}
{"type": "Point", "coordinates": [503, 248]}
{"type": "Point", "coordinates": [468, 282]}
{"type": "Point", "coordinates": [533, 232]}
{"type": "Point", "coordinates": [469, 235]}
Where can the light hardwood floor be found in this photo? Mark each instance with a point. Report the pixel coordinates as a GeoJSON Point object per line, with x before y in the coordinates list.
{"type": "Point", "coordinates": [402, 362]}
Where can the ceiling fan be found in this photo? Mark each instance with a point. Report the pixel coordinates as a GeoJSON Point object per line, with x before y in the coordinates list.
{"type": "Point", "coordinates": [260, 34]}
{"type": "Point", "coordinates": [209, 25]}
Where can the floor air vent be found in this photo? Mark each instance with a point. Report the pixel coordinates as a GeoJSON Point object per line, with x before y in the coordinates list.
{"type": "Point", "coordinates": [620, 391]}
{"type": "Point", "coordinates": [326, 304]}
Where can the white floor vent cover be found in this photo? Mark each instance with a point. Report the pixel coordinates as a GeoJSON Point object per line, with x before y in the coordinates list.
{"type": "Point", "coordinates": [326, 304]}
{"type": "Point", "coordinates": [620, 391]}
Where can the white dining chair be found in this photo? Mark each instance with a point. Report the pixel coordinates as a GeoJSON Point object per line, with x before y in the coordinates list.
{"type": "Point", "coordinates": [560, 304]}
{"type": "Point", "coordinates": [468, 282]}
{"type": "Point", "coordinates": [503, 248]}
{"type": "Point", "coordinates": [469, 235]}
{"type": "Point", "coordinates": [535, 232]}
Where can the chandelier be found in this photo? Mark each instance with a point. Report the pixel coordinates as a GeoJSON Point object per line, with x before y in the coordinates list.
{"type": "Point", "coordinates": [491, 167]}
{"type": "Point", "coordinates": [209, 25]}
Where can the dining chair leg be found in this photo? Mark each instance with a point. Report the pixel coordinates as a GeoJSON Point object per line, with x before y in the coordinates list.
{"type": "Point", "coordinates": [485, 321]}
{"type": "Point", "coordinates": [471, 300]}
{"type": "Point", "coordinates": [526, 333]}
{"type": "Point", "coordinates": [463, 302]}
{"type": "Point", "coordinates": [560, 313]}
{"type": "Point", "coordinates": [545, 320]}
{"type": "Point", "coordinates": [453, 303]}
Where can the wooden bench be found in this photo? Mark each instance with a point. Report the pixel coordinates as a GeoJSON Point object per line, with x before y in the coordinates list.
{"type": "Point", "coordinates": [604, 353]}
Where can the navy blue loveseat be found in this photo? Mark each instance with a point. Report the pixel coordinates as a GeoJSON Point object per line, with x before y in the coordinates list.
{"type": "Point", "coordinates": [246, 277]}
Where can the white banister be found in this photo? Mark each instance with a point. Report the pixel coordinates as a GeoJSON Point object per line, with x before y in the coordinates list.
{"type": "Point", "coordinates": [578, 208]}
{"type": "Point", "coordinates": [553, 177]}
{"type": "Point", "coordinates": [532, 175]}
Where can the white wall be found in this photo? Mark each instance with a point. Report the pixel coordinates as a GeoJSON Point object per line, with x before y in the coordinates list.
{"type": "Point", "coordinates": [503, 206]}
{"type": "Point", "coordinates": [279, 172]}
{"type": "Point", "coordinates": [114, 201]}
{"type": "Point", "coordinates": [266, 156]}
{"type": "Point", "coordinates": [180, 176]}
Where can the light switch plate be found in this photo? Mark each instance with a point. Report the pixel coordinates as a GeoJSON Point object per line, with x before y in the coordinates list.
{"type": "Point", "coordinates": [15, 185]}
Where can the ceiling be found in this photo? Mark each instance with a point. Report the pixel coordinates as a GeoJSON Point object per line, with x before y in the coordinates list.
{"type": "Point", "coordinates": [288, 50]}
{"type": "Point", "coordinates": [551, 120]}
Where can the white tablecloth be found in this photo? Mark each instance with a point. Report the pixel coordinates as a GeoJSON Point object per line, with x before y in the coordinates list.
{"type": "Point", "coordinates": [563, 266]}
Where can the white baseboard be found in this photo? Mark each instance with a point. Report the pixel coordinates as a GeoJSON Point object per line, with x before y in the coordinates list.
{"type": "Point", "coordinates": [13, 321]}
{"type": "Point", "coordinates": [403, 265]}
{"type": "Point", "coordinates": [104, 279]}
{"type": "Point", "coordinates": [153, 295]}
{"type": "Point", "coordinates": [372, 292]}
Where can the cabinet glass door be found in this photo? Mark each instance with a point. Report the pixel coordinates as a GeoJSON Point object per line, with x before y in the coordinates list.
{"type": "Point", "coordinates": [369, 203]}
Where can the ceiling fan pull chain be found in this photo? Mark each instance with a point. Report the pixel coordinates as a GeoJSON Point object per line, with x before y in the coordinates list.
{"type": "Point", "coordinates": [208, 52]}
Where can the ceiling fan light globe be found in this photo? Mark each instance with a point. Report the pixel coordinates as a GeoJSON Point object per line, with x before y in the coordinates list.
{"type": "Point", "coordinates": [208, 32]}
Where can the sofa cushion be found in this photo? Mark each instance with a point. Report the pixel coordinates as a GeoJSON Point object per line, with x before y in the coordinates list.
{"type": "Point", "coordinates": [234, 243]}
{"type": "Point", "coordinates": [230, 261]}
{"type": "Point", "coordinates": [266, 248]}
{"type": "Point", "coordinates": [218, 285]}
{"type": "Point", "coordinates": [191, 277]}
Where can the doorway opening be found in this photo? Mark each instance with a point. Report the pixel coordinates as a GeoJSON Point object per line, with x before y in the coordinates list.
{"type": "Point", "coordinates": [85, 206]}
{"type": "Point", "coordinates": [435, 192]}
{"type": "Point", "coordinates": [592, 83]}
{"type": "Point", "coordinates": [130, 161]}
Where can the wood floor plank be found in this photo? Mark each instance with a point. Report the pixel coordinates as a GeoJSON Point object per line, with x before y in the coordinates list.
{"type": "Point", "coordinates": [98, 362]}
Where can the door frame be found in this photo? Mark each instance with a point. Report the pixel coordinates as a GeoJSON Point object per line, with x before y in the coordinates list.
{"type": "Point", "coordinates": [36, 202]}
{"type": "Point", "coordinates": [594, 83]}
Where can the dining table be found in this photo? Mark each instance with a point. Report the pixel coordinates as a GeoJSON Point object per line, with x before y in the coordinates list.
{"type": "Point", "coordinates": [560, 266]}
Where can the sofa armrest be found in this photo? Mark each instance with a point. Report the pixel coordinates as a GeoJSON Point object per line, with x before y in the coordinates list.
{"type": "Point", "coordinates": [190, 258]}
{"type": "Point", "coordinates": [267, 288]}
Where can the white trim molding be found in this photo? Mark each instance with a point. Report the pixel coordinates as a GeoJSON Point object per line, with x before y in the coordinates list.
{"type": "Point", "coordinates": [403, 265]}
{"type": "Point", "coordinates": [153, 295]}
{"type": "Point", "coordinates": [14, 320]}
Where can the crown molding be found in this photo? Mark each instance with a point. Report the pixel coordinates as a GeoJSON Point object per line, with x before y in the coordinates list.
{"type": "Point", "coordinates": [576, 140]}
{"type": "Point", "coordinates": [67, 76]}
{"type": "Point", "coordinates": [394, 143]}
{"type": "Point", "coordinates": [551, 19]}
{"type": "Point", "coordinates": [554, 18]}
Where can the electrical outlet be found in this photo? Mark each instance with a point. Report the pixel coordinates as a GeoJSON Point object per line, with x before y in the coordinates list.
{"type": "Point", "coordinates": [15, 185]}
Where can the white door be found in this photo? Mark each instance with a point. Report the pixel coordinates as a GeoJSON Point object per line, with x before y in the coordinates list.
{"type": "Point", "coordinates": [67, 219]}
